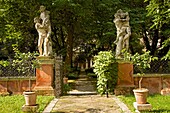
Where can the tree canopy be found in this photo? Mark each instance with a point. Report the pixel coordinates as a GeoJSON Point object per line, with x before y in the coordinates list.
{"type": "Point", "coordinates": [84, 24]}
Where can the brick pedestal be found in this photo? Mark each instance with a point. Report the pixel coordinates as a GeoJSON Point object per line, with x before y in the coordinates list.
{"type": "Point", "coordinates": [45, 76]}
{"type": "Point", "coordinates": [125, 82]}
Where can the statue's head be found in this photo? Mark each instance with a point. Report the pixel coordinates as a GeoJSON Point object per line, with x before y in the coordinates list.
{"type": "Point", "coordinates": [42, 8]}
{"type": "Point", "coordinates": [36, 19]}
{"type": "Point", "coordinates": [119, 11]}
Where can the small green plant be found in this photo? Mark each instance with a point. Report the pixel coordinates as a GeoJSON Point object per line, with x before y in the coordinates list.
{"type": "Point", "coordinates": [141, 61]}
{"type": "Point", "coordinates": [66, 88]}
{"type": "Point", "coordinates": [105, 67]}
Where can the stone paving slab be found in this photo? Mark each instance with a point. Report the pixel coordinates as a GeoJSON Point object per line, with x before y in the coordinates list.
{"type": "Point", "coordinates": [86, 104]}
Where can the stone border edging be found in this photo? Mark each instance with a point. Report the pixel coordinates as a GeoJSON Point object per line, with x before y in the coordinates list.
{"type": "Point", "coordinates": [123, 106]}
{"type": "Point", "coordinates": [50, 106]}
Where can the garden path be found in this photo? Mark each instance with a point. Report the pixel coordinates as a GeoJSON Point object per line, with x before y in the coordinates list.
{"type": "Point", "coordinates": [84, 99]}
{"type": "Point", "coordinates": [84, 85]}
{"type": "Point", "coordinates": [86, 104]}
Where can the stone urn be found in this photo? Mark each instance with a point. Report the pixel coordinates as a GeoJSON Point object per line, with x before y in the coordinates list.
{"type": "Point", "coordinates": [141, 95]}
{"type": "Point", "coordinates": [30, 98]}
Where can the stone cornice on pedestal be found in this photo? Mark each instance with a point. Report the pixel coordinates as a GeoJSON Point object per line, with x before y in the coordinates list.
{"type": "Point", "coordinates": [122, 61]}
{"type": "Point", "coordinates": [45, 60]}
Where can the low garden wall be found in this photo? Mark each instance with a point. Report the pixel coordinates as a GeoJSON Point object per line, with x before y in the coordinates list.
{"type": "Point", "coordinates": [15, 85]}
{"type": "Point", "coordinates": [156, 83]}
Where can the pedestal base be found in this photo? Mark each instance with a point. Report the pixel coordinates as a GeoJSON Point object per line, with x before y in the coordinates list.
{"type": "Point", "coordinates": [142, 107]}
{"type": "Point", "coordinates": [44, 90]}
{"type": "Point", "coordinates": [32, 109]}
{"type": "Point", "coordinates": [45, 76]}
{"type": "Point", "coordinates": [124, 90]}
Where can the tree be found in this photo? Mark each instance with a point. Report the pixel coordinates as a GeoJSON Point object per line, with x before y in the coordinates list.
{"type": "Point", "coordinates": [158, 11]}
{"type": "Point", "coordinates": [79, 23]}
{"type": "Point", "coordinates": [17, 21]}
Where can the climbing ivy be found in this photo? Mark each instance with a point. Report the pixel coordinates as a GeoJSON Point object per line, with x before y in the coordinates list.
{"type": "Point", "coordinates": [105, 67]}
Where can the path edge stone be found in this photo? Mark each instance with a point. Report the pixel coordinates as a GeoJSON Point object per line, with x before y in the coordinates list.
{"type": "Point", "coordinates": [50, 106]}
{"type": "Point", "coordinates": [123, 106]}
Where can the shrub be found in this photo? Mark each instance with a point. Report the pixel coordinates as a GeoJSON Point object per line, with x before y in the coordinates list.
{"type": "Point", "coordinates": [105, 67]}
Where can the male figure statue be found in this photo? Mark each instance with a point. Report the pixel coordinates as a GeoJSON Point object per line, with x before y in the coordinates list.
{"type": "Point", "coordinates": [44, 31]}
{"type": "Point", "coordinates": [123, 31]}
{"type": "Point", "coordinates": [45, 17]}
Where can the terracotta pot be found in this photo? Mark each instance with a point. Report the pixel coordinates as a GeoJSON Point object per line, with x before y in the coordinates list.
{"type": "Point", "coordinates": [141, 95]}
{"type": "Point", "coordinates": [30, 98]}
{"type": "Point", "coordinates": [65, 80]}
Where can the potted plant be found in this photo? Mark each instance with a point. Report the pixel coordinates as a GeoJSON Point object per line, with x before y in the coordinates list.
{"type": "Point", "coordinates": [142, 62]}
{"type": "Point", "coordinates": [25, 63]}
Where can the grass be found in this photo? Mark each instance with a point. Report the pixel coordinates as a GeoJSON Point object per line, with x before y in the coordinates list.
{"type": "Point", "coordinates": [160, 104]}
{"type": "Point", "coordinates": [13, 104]}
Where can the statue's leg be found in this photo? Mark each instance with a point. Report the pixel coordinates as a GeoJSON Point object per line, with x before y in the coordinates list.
{"type": "Point", "coordinates": [49, 48]}
{"type": "Point", "coordinates": [119, 46]}
{"type": "Point", "coordinates": [127, 44]}
{"type": "Point", "coordinates": [126, 41]}
{"type": "Point", "coordinates": [40, 42]}
{"type": "Point", "coordinates": [45, 47]}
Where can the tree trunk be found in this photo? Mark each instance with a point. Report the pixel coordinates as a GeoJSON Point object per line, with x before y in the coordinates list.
{"type": "Point", "coordinates": [69, 48]}
{"type": "Point", "coordinates": [155, 41]}
{"type": "Point", "coordinates": [145, 38]}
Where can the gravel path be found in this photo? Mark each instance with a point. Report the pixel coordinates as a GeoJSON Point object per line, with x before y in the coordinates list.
{"type": "Point", "coordinates": [86, 104]}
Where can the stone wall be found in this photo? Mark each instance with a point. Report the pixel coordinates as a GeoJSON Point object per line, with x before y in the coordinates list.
{"type": "Point", "coordinates": [15, 85]}
{"type": "Point", "coordinates": [154, 82]}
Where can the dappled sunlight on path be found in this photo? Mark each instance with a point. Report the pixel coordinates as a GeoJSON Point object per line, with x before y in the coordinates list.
{"type": "Point", "coordinates": [86, 104]}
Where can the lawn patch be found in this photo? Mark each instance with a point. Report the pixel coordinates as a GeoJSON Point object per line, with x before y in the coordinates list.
{"type": "Point", "coordinates": [13, 104]}
{"type": "Point", "coordinates": [160, 104]}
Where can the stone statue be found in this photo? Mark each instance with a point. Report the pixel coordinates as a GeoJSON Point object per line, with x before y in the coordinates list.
{"type": "Point", "coordinates": [123, 31]}
{"type": "Point", "coordinates": [43, 26]}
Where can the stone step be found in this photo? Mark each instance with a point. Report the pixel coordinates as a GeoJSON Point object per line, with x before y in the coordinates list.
{"type": "Point", "coordinates": [83, 86]}
{"type": "Point", "coordinates": [83, 76]}
{"type": "Point", "coordinates": [85, 83]}
{"type": "Point", "coordinates": [76, 92]}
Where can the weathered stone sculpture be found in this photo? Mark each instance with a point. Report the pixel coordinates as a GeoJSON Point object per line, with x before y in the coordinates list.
{"type": "Point", "coordinates": [44, 31]}
{"type": "Point", "coordinates": [123, 31]}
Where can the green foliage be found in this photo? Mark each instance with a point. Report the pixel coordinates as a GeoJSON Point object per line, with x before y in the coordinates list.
{"type": "Point", "coordinates": [142, 61]}
{"type": "Point", "coordinates": [159, 12]}
{"type": "Point", "coordinates": [17, 24]}
{"type": "Point", "coordinates": [66, 88]}
{"type": "Point", "coordinates": [92, 75]}
{"type": "Point", "coordinates": [25, 62]}
{"type": "Point", "coordinates": [73, 75]}
{"type": "Point", "coordinates": [90, 22]}
{"type": "Point", "coordinates": [166, 44]}
{"type": "Point", "coordinates": [105, 67]}
{"type": "Point", "coordinates": [4, 63]}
